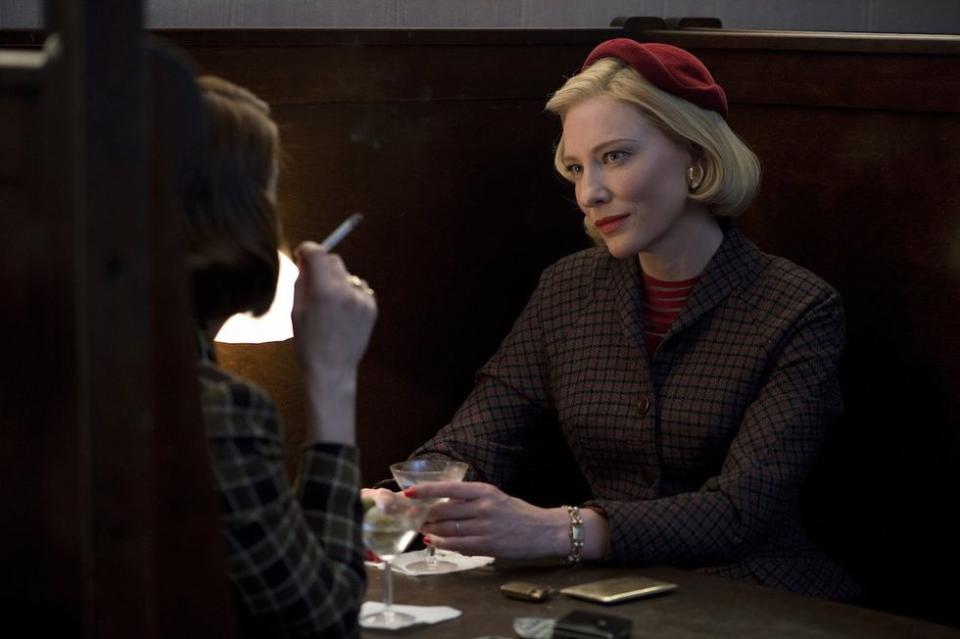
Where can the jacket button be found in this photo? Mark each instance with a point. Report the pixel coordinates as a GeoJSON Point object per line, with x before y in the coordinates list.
{"type": "Point", "coordinates": [647, 475]}
{"type": "Point", "coordinates": [643, 405]}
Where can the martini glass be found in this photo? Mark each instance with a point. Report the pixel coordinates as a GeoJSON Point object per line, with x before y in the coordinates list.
{"type": "Point", "coordinates": [387, 530]}
{"type": "Point", "coordinates": [422, 471]}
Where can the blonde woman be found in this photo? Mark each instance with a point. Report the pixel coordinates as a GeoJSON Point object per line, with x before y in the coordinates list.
{"type": "Point", "coordinates": [691, 376]}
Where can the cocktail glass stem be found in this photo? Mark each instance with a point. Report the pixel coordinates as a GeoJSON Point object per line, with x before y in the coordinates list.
{"type": "Point", "coordinates": [388, 614]}
{"type": "Point", "coordinates": [431, 557]}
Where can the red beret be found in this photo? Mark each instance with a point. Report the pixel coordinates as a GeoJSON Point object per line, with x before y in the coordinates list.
{"type": "Point", "coordinates": [668, 68]}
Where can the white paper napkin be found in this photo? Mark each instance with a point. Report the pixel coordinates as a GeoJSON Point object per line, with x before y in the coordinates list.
{"type": "Point", "coordinates": [421, 614]}
{"type": "Point", "coordinates": [460, 562]}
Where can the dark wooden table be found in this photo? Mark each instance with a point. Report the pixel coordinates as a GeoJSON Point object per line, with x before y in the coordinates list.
{"type": "Point", "coordinates": [703, 606]}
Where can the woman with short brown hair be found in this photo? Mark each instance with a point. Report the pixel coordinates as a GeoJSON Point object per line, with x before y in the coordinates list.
{"type": "Point", "coordinates": [294, 552]}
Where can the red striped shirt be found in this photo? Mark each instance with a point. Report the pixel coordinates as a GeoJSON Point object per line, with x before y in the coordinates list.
{"type": "Point", "coordinates": [662, 306]}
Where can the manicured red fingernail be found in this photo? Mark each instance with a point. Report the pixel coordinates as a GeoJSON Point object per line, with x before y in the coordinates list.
{"type": "Point", "coordinates": [426, 539]}
{"type": "Point", "coordinates": [410, 492]}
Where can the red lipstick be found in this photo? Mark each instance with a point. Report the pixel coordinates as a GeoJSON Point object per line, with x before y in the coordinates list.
{"type": "Point", "coordinates": [609, 224]}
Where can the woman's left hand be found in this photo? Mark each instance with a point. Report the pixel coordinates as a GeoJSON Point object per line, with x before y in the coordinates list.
{"type": "Point", "coordinates": [480, 519]}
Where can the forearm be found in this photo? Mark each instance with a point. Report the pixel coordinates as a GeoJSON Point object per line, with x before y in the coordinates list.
{"type": "Point", "coordinates": [302, 591]}
{"type": "Point", "coordinates": [491, 431]}
{"type": "Point", "coordinates": [328, 491]}
{"type": "Point", "coordinates": [700, 528]}
{"type": "Point", "coordinates": [295, 559]}
{"type": "Point", "coordinates": [331, 407]}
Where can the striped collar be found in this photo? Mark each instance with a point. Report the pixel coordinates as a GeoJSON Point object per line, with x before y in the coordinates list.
{"type": "Point", "coordinates": [737, 260]}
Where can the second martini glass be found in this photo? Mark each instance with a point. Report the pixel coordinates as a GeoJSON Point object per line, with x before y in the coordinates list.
{"type": "Point", "coordinates": [387, 529]}
{"type": "Point", "coordinates": [422, 471]}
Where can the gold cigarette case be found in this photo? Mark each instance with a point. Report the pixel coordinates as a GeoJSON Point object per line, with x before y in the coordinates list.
{"type": "Point", "coordinates": [610, 591]}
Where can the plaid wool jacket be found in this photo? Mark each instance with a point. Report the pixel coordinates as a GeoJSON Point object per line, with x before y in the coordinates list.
{"type": "Point", "coordinates": [698, 454]}
{"type": "Point", "coordinates": [294, 552]}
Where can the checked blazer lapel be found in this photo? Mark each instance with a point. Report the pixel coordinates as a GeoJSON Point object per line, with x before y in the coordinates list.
{"type": "Point", "coordinates": [627, 280]}
{"type": "Point", "coordinates": [736, 260]}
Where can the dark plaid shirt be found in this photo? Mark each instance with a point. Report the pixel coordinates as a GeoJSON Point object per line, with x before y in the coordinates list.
{"type": "Point", "coordinates": [294, 552]}
{"type": "Point", "coordinates": [698, 454]}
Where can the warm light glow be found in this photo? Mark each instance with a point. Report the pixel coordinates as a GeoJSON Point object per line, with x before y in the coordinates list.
{"type": "Point", "coordinates": [272, 326]}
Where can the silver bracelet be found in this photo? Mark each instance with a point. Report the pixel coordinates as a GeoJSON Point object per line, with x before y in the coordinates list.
{"type": "Point", "coordinates": [576, 535]}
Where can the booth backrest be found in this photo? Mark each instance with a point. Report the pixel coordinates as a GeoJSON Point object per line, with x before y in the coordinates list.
{"type": "Point", "coordinates": [858, 136]}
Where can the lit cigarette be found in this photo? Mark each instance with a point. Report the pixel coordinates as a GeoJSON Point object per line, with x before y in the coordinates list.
{"type": "Point", "coordinates": [341, 231]}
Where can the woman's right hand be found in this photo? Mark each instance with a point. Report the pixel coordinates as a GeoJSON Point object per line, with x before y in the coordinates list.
{"type": "Point", "coordinates": [333, 317]}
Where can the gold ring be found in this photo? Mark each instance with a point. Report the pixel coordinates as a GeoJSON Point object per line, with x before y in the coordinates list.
{"type": "Point", "coordinates": [359, 283]}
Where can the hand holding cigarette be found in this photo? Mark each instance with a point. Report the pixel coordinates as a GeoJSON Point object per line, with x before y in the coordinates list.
{"type": "Point", "coordinates": [333, 310]}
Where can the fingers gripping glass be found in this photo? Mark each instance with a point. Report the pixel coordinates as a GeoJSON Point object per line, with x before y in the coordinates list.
{"type": "Point", "coordinates": [422, 471]}
{"type": "Point", "coordinates": [387, 530]}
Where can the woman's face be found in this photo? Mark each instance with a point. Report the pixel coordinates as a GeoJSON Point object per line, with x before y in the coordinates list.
{"type": "Point", "coordinates": [629, 177]}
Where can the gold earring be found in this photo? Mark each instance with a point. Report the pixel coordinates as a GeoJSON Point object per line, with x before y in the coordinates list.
{"type": "Point", "coordinates": [694, 176]}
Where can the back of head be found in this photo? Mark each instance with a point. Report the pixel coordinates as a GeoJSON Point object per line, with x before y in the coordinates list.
{"type": "Point", "coordinates": [231, 227]}
{"type": "Point", "coordinates": [692, 112]}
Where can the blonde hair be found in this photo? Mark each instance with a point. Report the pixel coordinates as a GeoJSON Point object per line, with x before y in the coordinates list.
{"type": "Point", "coordinates": [731, 171]}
